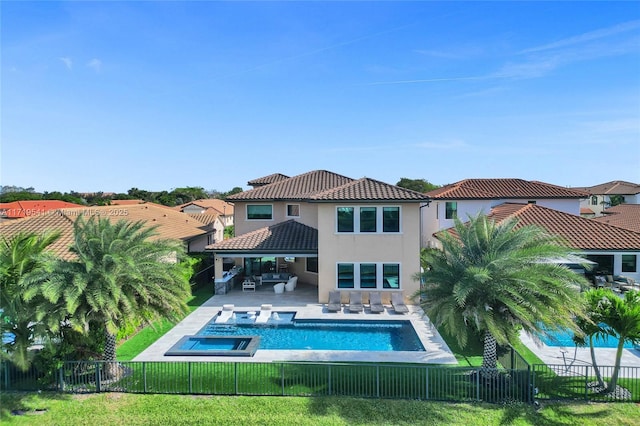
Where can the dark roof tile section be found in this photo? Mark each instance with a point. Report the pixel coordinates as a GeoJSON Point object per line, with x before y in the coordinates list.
{"type": "Point", "coordinates": [479, 189]}
{"type": "Point", "coordinates": [289, 237]}
{"type": "Point", "coordinates": [581, 233]}
{"type": "Point", "coordinates": [616, 187]}
{"type": "Point", "coordinates": [623, 215]}
{"type": "Point", "coordinates": [299, 187]}
{"type": "Point", "coordinates": [367, 189]}
{"type": "Point", "coordinates": [266, 180]}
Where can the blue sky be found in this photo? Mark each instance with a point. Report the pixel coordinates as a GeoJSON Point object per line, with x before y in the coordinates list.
{"type": "Point", "coordinates": [106, 96]}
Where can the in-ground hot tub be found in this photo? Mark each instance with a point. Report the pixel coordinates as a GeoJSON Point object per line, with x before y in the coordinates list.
{"type": "Point", "coordinates": [215, 346]}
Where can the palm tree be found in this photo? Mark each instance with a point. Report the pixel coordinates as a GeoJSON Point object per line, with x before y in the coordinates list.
{"type": "Point", "coordinates": [591, 325]}
{"type": "Point", "coordinates": [119, 274]}
{"type": "Point", "coordinates": [494, 279]}
{"type": "Point", "coordinates": [622, 319]}
{"type": "Point", "coordinates": [20, 255]}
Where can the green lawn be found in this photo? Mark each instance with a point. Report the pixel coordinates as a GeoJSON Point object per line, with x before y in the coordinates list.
{"type": "Point", "coordinates": [129, 409]}
{"type": "Point", "coordinates": [148, 335]}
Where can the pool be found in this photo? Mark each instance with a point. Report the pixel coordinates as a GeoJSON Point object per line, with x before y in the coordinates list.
{"type": "Point", "coordinates": [215, 346]}
{"type": "Point", "coordinates": [565, 338]}
{"type": "Point", "coordinates": [284, 331]}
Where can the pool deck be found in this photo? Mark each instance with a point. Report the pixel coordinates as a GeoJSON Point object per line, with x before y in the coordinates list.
{"type": "Point", "coordinates": [572, 356]}
{"type": "Point", "coordinates": [302, 301]}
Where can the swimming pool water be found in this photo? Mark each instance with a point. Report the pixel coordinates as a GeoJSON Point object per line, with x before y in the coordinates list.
{"type": "Point", "coordinates": [336, 335]}
{"type": "Point", "coordinates": [565, 338]}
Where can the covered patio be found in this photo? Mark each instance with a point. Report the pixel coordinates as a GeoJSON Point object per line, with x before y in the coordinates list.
{"type": "Point", "coordinates": [268, 256]}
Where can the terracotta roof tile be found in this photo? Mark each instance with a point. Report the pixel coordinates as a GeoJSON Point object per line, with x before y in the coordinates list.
{"type": "Point", "coordinates": [581, 233]}
{"type": "Point", "coordinates": [221, 206]}
{"type": "Point", "coordinates": [472, 189]}
{"type": "Point", "coordinates": [170, 223]}
{"type": "Point", "coordinates": [28, 208]}
{"type": "Point", "coordinates": [616, 187]}
{"type": "Point", "coordinates": [299, 187]}
{"type": "Point", "coordinates": [367, 189]}
{"type": "Point", "coordinates": [284, 237]}
{"type": "Point", "coordinates": [623, 215]}
{"type": "Point", "coordinates": [266, 180]}
{"type": "Point", "coordinates": [125, 202]}
{"type": "Point", "coordinates": [206, 219]}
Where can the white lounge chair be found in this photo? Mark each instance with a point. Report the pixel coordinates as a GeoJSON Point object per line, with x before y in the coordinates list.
{"type": "Point", "coordinates": [375, 302]}
{"type": "Point", "coordinates": [397, 300]}
{"type": "Point", "coordinates": [265, 314]}
{"type": "Point", "coordinates": [355, 302]}
{"type": "Point", "coordinates": [335, 303]}
{"type": "Point", "coordinates": [278, 288]}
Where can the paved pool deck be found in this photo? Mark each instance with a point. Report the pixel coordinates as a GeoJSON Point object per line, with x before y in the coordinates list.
{"type": "Point", "coordinates": [301, 302]}
{"type": "Point", "coordinates": [573, 356]}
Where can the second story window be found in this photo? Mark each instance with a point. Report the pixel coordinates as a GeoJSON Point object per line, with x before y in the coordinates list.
{"type": "Point", "coordinates": [259, 212]}
{"type": "Point", "coordinates": [345, 219]}
{"type": "Point", "coordinates": [451, 210]}
{"type": "Point", "coordinates": [368, 219]}
{"type": "Point", "coordinates": [293, 210]}
{"type": "Point", "coordinates": [594, 200]}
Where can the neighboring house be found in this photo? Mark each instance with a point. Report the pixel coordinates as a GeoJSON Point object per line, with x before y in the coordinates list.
{"type": "Point", "coordinates": [623, 215]}
{"type": "Point", "coordinates": [600, 195]}
{"type": "Point", "coordinates": [266, 180]}
{"type": "Point", "coordinates": [22, 209]}
{"type": "Point", "coordinates": [212, 224]}
{"type": "Point", "coordinates": [221, 208]}
{"type": "Point", "coordinates": [470, 197]}
{"type": "Point", "coordinates": [615, 250]}
{"type": "Point", "coordinates": [170, 224]}
{"type": "Point", "coordinates": [332, 231]}
{"type": "Point", "coordinates": [125, 202]}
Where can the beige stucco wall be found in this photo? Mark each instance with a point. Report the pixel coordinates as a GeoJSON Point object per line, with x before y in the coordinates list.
{"type": "Point", "coordinates": [402, 248]}
{"type": "Point", "coordinates": [308, 216]}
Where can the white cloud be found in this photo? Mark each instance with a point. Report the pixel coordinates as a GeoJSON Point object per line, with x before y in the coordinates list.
{"type": "Point", "coordinates": [588, 36]}
{"type": "Point", "coordinates": [67, 62]}
{"type": "Point", "coordinates": [96, 64]}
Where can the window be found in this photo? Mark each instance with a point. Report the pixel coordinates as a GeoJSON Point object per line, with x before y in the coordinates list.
{"type": "Point", "coordinates": [259, 212]}
{"type": "Point", "coordinates": [368, 219]}
{"type": "Point", "coordinates": [293, 210]}
{"type": "Point", "coordinates": [451, 210]}
{"type": "Point", "coordinates": [312, 264]}
{"type": "Point", "coordinates": [391, 219]}
{"type": "Point", "coordinates": [391, 275]}
{"type": "Point", "coordinates": [594, 200]}
{"type": "Point", "coordinates": [368, 275]}
{"type": "Point", "coordinates": [629, 263]}
{"type": "Point", "coordinates": [345, 219]}
{"type": "Point", "coordinates": [531, 202]}
{"type": "Point", "coordinates": [345, 275]}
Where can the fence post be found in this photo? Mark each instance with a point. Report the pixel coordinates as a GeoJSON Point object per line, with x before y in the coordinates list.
{"type": "Point", "coordinates": [61, 377]}
{"type": "Point", "coordinates": [235, 375]}
{"type": "Point", "coordinates": [144, 376]}
{"type": "Point", "coordinates": [586, 383]}
{"type": "Point", "coordinates": [426, 382]}
{"type": "Point", "coordinates": [378, 381]}
{"type": "Point", "coordinates": [190, 379]}
{"type": "Point", "coordinates": [478, 384]}
{"type": "Point", "coordinates": [329, 379]}
{"type": "Point", "coordinates": [98, 376]}
{"type": "Point", "coordinates": [282, 377]}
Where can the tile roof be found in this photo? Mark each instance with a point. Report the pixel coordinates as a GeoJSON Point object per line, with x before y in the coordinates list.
{"type": "Point", "coordinates": [207, 219]}
{"type": "Point", "coordinates": [474, 189]}
{"type": "Point", "coordinates": [623, 215]}
{"type": "Point", "coordinates": [322, 185]}
{"type": "Point", "coordinates": [170, 223]}
{"type": "Point", "coordinates": [28, 208]}
{"type": "Point", "coordinates": [616, 187]}
{"type": "Point", "coordinates": [581, 233]}
{"type": "Point", "coordinates": [300, 187]}
{"type": "Point", "coordinates": [367, 189]}
{"type": "Point", "coordinates": [284, 237]}
{"type": "Point", "coordinates": [221, 206]}
{"type": "Point", "coordinates": [586, 210]}
{"type": "Point", "coordinates": [125, 202]}
{"type": "Point", "coordinates": [266, 180]}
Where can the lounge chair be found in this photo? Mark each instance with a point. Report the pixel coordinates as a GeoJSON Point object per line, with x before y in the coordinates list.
{"type": "Point", "coordinates": [398, 303]}
{"type": "Point", "coordinates": [375, 302]}
{"type": "Point", "coordinates": [355, 302]}
{"type": "Point", "coordinates": [291, 284]}
{"type": "Point", "coordinates": [335, 303]}
{"type": "Point", "coordinates": [265, 314]}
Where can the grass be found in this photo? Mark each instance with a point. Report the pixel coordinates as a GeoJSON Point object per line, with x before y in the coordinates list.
{"type": "Point", "coordinates": [130, 409]}
{"type": "Point", "coordinates": [148, 335]}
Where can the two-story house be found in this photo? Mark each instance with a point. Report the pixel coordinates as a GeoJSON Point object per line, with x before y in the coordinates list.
{"type": "Point", "coordinates": [472, 196]}
{"type": "Point", "coordinates": [600, 196]}
{"type": "Point", "coordinates": [332, 231]}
